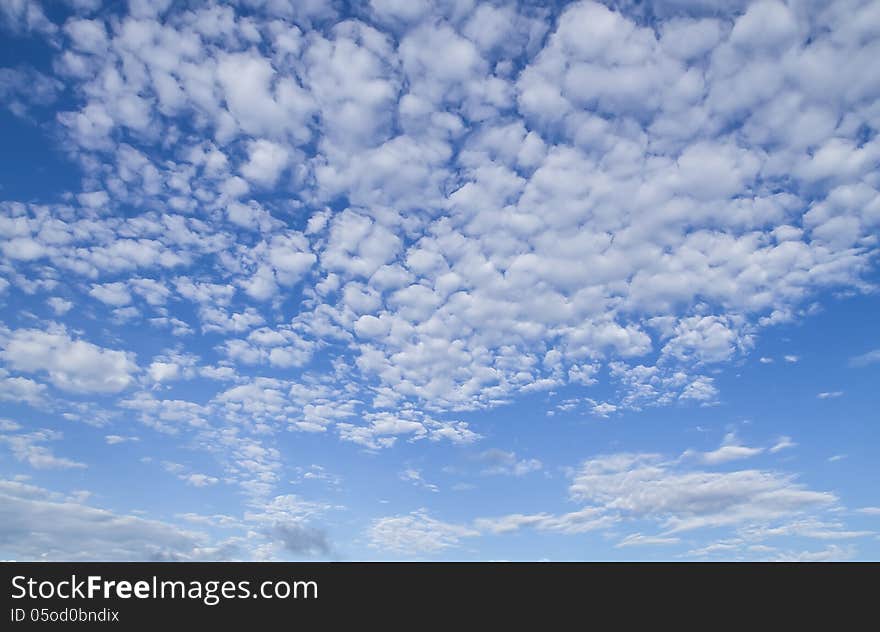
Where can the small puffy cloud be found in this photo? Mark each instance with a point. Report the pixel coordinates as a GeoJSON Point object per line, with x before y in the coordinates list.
{"type": "Point", "coordinates": [602, 409]}
{"type": "Point", "coordinates": [200, 480]}
{"type": "Point", "coordinates": [93, 199]}
{"type": "Point", "coordinates": [266, 161]}
{"type": "Point", "coordinates": [172, 366]}
{"type": "Point", "coordinates": [22, 389]}
{"type": "Point", "coordinates": [59, 305]}
{"type": "Point", "coordinates": [88, 36]}
{"type": "Point", "coordinates": [152, 291]}
{"type": "Point", "coordinates": [701, 389]}
{"type": "Point", "coordinates": [115, 294]}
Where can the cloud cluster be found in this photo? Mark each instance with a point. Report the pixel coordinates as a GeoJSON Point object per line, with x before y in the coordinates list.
{"type": "Point", "coordinates": [748, 507]}
{"type": "Point", "coordinates": [366, 225]}
{"type": "Point", "coordinates": [643, 196]}
{"type": "Point", "coordinates": [39, 525]}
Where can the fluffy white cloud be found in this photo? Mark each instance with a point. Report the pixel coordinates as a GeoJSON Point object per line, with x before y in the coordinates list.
{"type": "Point", "coordinates": [266, 161]}
{"type": "Point", "coordinates": [59, 305]}
{"type": "Point", "coordinates": [200, 480]}
{"type": "Point", "coordinates": [625, 194]}
{"type": "Point", "coordinates": [70, 364]}
{"type": "Point", "coordinates": [115, 294]}
{"type": "Point", "coordinates": [21, 389]}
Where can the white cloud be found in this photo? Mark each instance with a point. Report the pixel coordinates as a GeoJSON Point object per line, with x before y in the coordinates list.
{"type": "Point", "coordinates": [115, 294]}
{"type": "Point", "coordinates": [384, 429]}
{"type": "Point", "coordinates": [89, 36]}
{"type": "Point", "coordinates": [93, 199]}
{"type": "Point", "coordinates": [70, 364]}
{"type": "Point", "coordinates": [637, 539]}
{"type": "Point", "coordinates": [259, 102]}
{"type": "Point", "coordinates": [616, 489]}
{"type": "Point", "coordinates": [643, 486]}
{"type": "Point", "coordinates": [266, 161]}
{"type": "Point", "coordinates": [408, 10]}
{"type": "Point", "coordinates": [153, 292]}
{"type": "Point", "coordinates": [163, 371]}
{"type": "Point", "coordinates": [117, 439]}
{"type": "Point", "coordinates": [830, 394]}
{"type": "Point", "coordinates": [59, 305]}
{"type": "Point", "coordinates": [414, 476]}
{"type": "Point", "coordinates": [602, 409]}
{"type": "Point", "coordinates": [581, 521]}
{"type": "Point", "coordinates": [465, 187]}
{"type": "Point", "coordinates": [765, 24]}
{"type": "Point", "coordinates": [200, 480]}
{"type": "Point", "coordinates": [26, 447]}
{"type": "Point", "coordinates": [783, 443]}
{"type": "Point", "coordinates": [416, 533]}
{"type": "Point", "coordinates": [730, 450]}
{"type": "Point", "coordinates": [22, 389]}
{"type": "Point", "coordinates": [166, 415]}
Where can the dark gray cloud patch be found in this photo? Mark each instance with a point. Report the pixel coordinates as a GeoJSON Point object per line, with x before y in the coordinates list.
{"type": "Point", "coordinates": [302, 539]}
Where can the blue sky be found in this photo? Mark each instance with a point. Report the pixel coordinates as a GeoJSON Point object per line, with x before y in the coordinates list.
{"type": "Point", "coordinates": [439, 280]}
